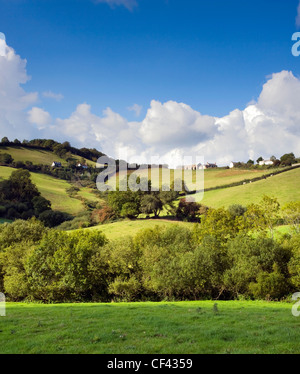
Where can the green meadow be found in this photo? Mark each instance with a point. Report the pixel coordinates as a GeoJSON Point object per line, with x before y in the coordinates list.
{"type": "Point", "coordinates": [285, 187]}
{"type": "Point", "coordinates": [37, 156]}
{"type": "Point", "coordinates": [199, 327]}
{"type": "Point", "coordinates": [54, 190]}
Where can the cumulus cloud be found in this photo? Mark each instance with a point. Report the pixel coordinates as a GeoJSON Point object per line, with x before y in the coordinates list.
{"type": "Point", "coordinates": [53, 95]}
{"type": "Point", "coordinates": [173, 130]}
{"type": "Point", "coordinates": [129, 4]}
{"type": "Point", "coordinates": [13, 98]}
{"type": "Point", "coordinates": [2, 45]}
{"type": "Point", "coordinates": [39, 117]}
{"type": "Point", "coordinates": [169, 130]}
{"type": "Point", "coordinates": [136, 109]}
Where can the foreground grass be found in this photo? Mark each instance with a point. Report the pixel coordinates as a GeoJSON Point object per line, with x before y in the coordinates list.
{"type": "Point", "coordinates": [150, 328]}
{"type": "Point", "coordinates": [118, 229]}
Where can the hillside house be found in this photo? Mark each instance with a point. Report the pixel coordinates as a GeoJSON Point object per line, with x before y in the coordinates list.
{"type": "Point", "coordinates": [266, 162]}
{"type": "Point", "coordinates": [56, 164]}
{"type": "Point", "coordinates": [232, 165]}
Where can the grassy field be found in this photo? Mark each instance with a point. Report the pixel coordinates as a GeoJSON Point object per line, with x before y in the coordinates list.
{"type": "Point", "coordinates": [54, 190]}
{"type": "Point", "coordinates": [285, 187]}
{"type": "Point", "coordinates": [37, 156]}
{"type": "Point", "coordinates": [132, 227]}
{"type": "Point", "coordinates": [212, 177]}
{"type": "Point", "coordinates": [151, 328]}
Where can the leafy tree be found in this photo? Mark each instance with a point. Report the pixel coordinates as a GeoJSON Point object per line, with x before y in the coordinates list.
{"type": "Point", "coordinates": [259, 159]}
{"type": "Point", "coordinates": [6, 158]}
{"type": "Point", "coordinates": [188, 211]}
{"type": "Point", "coordinates": [5, 141]}
{"type": "Point", "coordinates": [288, 159]}
{"type": "Point", "coordinates": [19, 187]}
{"type": "Point", "coordinates": [40, 204]}
{"type": "Point", "coordinates": [291, 213]}
{"type": "Point", "coordinates": [237, 210]}
{"type": "Point", "coordinates": [248, 257]}
{"type": "Point", "coordinates": [52, 218]}
{"type": "Point", "coordinates": [61, 269]}
{"type": "Point", "coordinates": [151, 204]}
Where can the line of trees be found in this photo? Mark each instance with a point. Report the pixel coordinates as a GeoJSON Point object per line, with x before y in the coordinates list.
{"type": "Point", "coordinates": [229, 255]}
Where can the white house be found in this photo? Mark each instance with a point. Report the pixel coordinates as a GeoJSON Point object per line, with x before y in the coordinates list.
{"type": "Point", "coordinates": [232, 164]}
{"type": "Point", "coordinates": [266, 162]}
{"type": "Point", "coordinates": [56, 164]}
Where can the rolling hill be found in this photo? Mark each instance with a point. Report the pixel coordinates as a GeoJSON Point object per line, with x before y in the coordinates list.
{"type": "Point", "coordinates": [54, 190]}
{"type": "Point", "coordinates": [37, 156]}
{"type": "Point", "coordinates": [285, 187]}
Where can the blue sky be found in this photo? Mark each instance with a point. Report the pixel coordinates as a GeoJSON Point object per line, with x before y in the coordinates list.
{"type": "Point", "coordinates": [214, 56]}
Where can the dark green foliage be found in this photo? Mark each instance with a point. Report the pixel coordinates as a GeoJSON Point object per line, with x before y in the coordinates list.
{"type": "Point", "coordinates": [51, 218]}
{"type": "Point", "coordinates": [218, 260]}
{"type": "Point", "coordinates": [188, 211]}
{"type": "Point", "coordinates": [151, 204]}
{"type": "Point", "coordinates": [5, 158]}
{"type": "Point", "coordinates": [59, 268]}
{"type": "Point", "coordinates": [40, 204]}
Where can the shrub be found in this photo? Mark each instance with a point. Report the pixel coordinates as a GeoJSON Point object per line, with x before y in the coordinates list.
{"type": "Point", "coordinates": [59, 269]}
{"type": "Point", "coordinates": [52, 218]}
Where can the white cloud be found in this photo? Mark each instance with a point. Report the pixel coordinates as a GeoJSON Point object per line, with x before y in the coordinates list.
{"type": "Point", "coordinates": [173, 130]}
{"type": "Point", "coordinates": [298, 16]}
{"type": "Point", "coordinates": [39, 117]}
{"type": "Point", "coordinates": [136, 108]}
{"type": "Point", "coordinates": [2, 44]}
{"type": "Point", "coordinates": [52, 95]}
{"type": "Point", "coordinates": [267, 126]}
{"type": "Point", "coordinates": [14, 100]}
{"type": "Point", "coordinates": [129, 4]}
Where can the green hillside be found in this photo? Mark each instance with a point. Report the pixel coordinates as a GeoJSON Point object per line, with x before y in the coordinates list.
{"type": "Point", "coordinates": [129, 227]}
{"type": "Point", "coordinates": [285, 187]}
{"type": "Point", "coordinates": [212, 177]}
{"type": "Point", "coordinates": [37, 156]}
{"type": "Point", "coordinates": [54, 190]}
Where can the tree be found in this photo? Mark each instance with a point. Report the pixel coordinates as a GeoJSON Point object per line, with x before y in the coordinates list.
{"type": "Point", "coordinates": [188, 211]}
{"type": "Point", "coordinates": [288, 159]}
{"type": "Point", "coordinates": [151, 204]}
{"type": "Point", "coordinates": [4, 141]}
{"type": "Point", "coordinates": [40, 204]}
{"type": "Point", "coordinates": [237, 210]}
{"type": "Point", "coordinates": [291, 213]}
{"type": "Point", "coordinates": [6, 158]}
{"type": "Point", "coordinates": [52, 218]}
{"type": "Point", "coordinates": [19, 187]}
{"type": "Point", "coordinates": [259, 159]}
{"type": "Point", "coordinates": [61, 268]}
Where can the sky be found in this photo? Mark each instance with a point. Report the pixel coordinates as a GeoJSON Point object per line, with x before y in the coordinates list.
{"type": "Point", "coordinates": [153, 78]}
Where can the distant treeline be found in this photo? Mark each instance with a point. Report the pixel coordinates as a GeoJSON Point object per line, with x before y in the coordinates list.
{"type": "Point", "coordinates": [63, 150]}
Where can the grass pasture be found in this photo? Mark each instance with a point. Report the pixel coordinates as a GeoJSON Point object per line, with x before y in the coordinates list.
{"type": "Point", "coordinates": [38, 156]}
{"type": "Point", "coordinates": [119, 229]}
{"type": "Point", "coordinates": [52, 189]}
{"type": "Point", "coordinates": [284, 186]}
{"type": "Point", "coordinates": [235, 327]}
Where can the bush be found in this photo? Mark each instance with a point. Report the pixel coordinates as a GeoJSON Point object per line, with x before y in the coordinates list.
{"type": "Point", "coordinates": [60, 268]}
{"type": "Point", "coordinates": [52, 218]}
{"type": "Point", "coordinates": [127, 290]}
